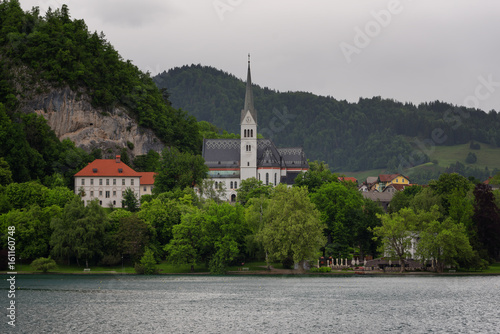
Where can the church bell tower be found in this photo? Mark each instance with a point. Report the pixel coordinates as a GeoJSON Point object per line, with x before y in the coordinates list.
{"type": "Point", "coordinates": [248, 156]}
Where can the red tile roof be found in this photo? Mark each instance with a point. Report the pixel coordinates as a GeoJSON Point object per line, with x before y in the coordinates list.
{"type": "Point", "coordinates": [148, 178]}
{"type": "Point", "coordinates": [108, 167]}
{"type": "Point", "coordinates": [348, 178]}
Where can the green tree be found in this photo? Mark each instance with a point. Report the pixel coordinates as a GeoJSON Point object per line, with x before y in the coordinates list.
{"type": "Point", "coordinates": [444, 242]}
{"type": "Point", "coordinates": [43, 264]}
{"type": "Point", "coordinates": [252, 188]}
{"type": "Point", "coordinates": [79, 232]}
{"type": "Point", "coordinates": [318, 174]}
{"type": "Point", "coordinates": [147, 265]}
{"type": "Point", "coordinates": [130, 200]}
{"type": "Point", "coordinates": [185, 246]}
{"type": "Point", "coordinates": [179, 170]}
{"type": "Point", "coordinates": [292, 226]}
{"type": "Point", "coordinates": [396, 233]}
{"type": "Point", "coordinates": [341, 210]}
{"type": "Point", "coordinates": [5, 173]}
{"type": "Point", "coordinates": [133, 236]}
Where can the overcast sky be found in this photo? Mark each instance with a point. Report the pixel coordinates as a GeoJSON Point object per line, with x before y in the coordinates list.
{"type": "Point", "coordinates": [417, 51]}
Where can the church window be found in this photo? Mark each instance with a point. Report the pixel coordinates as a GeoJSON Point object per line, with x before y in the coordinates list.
{"type": "Point", "coordinates": [267, 179]}
{"type": "Point", "coordinates": [235, 185]}
{"type": "Point", "coordinates": [244, 133]}
{"type": "Point", "coordinates": [251, 133]}
{"type": "Point", "coordinates": [248, 164]}
{"type": "Point", "coordinates": [231, 184]}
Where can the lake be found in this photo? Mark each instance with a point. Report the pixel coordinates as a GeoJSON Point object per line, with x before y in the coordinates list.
{"type": "Point", "coordinates": [254, 304]}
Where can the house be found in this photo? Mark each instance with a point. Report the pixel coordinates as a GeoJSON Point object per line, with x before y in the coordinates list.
{"type": "Point", "coordinates": [147, 183]}
{"type": "Point", "coordinates": [232, 160]}
{"type": "Point", "coordinates": [108, 179]}
{"type": "Point", "coordinates": [385, 180]}
{"type": "Point", "coordinates": [493, 185]}
{"type": "Point", "coordinates": [393, 187]}
{"type": "Point", "coordinates": [382, 198]}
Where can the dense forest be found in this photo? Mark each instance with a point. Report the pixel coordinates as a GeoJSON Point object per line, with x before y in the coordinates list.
{"type": "Point", "coordinates": [373, 133]}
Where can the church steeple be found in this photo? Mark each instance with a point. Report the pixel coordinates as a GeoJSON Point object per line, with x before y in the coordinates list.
{"type": "Point", "coordinates": [249, 97]}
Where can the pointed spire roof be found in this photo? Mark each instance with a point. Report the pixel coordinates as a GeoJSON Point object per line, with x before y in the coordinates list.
{"type": "Point", "coordinates": [249, 97]}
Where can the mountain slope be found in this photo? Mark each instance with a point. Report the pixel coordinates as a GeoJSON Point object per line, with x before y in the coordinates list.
{"type": "Point", "coordinates": [372, 133]}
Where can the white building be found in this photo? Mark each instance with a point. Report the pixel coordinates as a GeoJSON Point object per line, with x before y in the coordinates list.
{"type": "Point", "coordinates": [232, 160]}
{"type": "Point", "coordinates": [108, 179]}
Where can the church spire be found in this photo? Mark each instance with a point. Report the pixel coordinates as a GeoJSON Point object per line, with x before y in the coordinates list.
{"type": "Point", "coordinates": [249, 96]}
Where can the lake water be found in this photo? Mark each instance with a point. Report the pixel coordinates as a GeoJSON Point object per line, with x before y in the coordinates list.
{"type": "Point", "coordinates": [254, 304]}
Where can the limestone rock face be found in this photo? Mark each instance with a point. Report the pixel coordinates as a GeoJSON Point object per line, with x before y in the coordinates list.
{"type": "Point", "coordinates": [71, 115]}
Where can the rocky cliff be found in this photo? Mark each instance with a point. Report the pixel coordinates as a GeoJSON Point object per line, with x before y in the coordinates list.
{"type": "Point", "coordinates": [71, 115]}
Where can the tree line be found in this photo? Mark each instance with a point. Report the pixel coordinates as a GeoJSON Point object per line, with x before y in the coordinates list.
{"type": "Point", "coordinates": [456, 222]}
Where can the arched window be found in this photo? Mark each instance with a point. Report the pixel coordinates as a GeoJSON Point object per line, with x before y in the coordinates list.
{"type": "Point", "coordinates": [251, 133]}
{"type": "Point", "coordinates": [233, 198]}
{"type": "Point", "coordinates": [216, 184]}
{"type": "Point", "coordinates": [231, 184]}
{"type": "Point", "coordinates": [245, 132]}
{"type": "Point", "coordinates": [267, 179]}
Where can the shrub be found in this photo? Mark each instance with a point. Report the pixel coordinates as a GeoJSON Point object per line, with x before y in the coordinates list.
{"type": "Point", "coordinates": [147, 266]}
{"type": "Point", "coordinates": [471, 158]}
{"type": "Point", "coordinates": [44, 264]}
{"type": "Point", "coordinates": [130, 145]}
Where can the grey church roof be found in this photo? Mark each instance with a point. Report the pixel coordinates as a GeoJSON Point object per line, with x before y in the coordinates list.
{"type": "Point", "coordinates": [294, 157]}
{"type": "Point", "coordinates": [221, 153]}
{"type": "Point", "coordinates": [225, 153]}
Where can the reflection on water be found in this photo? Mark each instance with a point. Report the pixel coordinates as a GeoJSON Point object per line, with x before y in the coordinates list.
{"type": "Point", "coordinates": [248, 304]}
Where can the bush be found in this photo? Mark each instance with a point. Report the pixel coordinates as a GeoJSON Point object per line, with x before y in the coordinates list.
{"type": "Point", "coordinates": [320, 270]}
{"type": "Point", "coordinates": [43, 264]}
{"type": "Point", "coordinates": [147, 266]}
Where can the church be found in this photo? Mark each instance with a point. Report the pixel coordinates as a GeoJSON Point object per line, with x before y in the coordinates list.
{"type": "Point", "coordinates": [232, 160]}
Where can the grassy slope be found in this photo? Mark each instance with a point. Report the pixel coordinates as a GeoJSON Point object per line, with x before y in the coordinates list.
{"type": "Point", "coordinates": [487, 156]}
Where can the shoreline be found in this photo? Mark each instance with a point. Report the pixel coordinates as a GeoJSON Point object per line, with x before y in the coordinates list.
{"type": "Point", "coordinates": [274, 272]}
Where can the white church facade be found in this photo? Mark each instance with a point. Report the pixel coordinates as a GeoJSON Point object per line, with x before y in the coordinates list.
{"type": "Point", "coordinates": [232, 160]}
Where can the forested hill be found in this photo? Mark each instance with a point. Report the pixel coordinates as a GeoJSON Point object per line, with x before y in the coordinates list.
{"type": "Point", "coordinates": [43, 53]}
{"type": "Point", "coordinates": [372, 133]}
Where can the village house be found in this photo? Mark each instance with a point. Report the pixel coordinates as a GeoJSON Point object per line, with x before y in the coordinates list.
{"type": "Point", "coordinates": [108, 179]}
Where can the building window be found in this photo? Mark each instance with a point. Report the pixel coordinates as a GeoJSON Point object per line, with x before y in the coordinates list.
{"type": "Point", "coordinates": [100, 203]}
{"type": "Point", "coordinates": [145, 188]}
{"type": "Point", "coordinates": [114, 182]}
{"type": "Point", "coordinates": [91, 182]}
{"type": "Point", "coordinates": [100, 192]}
{"type": "Point", "coordinates": [91, 193]}
{"type": "Point", "coordinates": [114, 202]}
{"type": "Point", "coordinates": [100, 182]}
{"type": "Point", "coordinates": [244, 133]}
{"type": "Point", "coordinates": [275, 179]}
{"type": "Point", "coordinates": [131, 182]}
{"type": "Point", "coordinates": [83, 182]}
{"type": "Point", "coordinates": [251, 133]}
{"type": "Point", "coordinates": [231, 184]}
{"type": "Point", "coordinates": [123, 182]}
{"type": "Point", "coordinates": [107, 182]}
{"type": "Point", "coordinates": [107, 194]}
{"type": "Point", "coordinates": [235, 185]}
{"type": "Point", "coordinates": [114, 193]}
{"type": "Point", "coordinates": [248, 164]}
{"type": "Point", "coordinates": [216, 184]}
{"type": "Point", "coordinates": [267, 179]}
{"type": "Point", "coordinates": [249, 148]}
{"type": "Point", "coordinates": [259, 176]}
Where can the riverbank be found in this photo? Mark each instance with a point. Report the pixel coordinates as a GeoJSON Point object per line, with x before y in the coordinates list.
{"type": "Point", "coordinates": [249, 269]}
